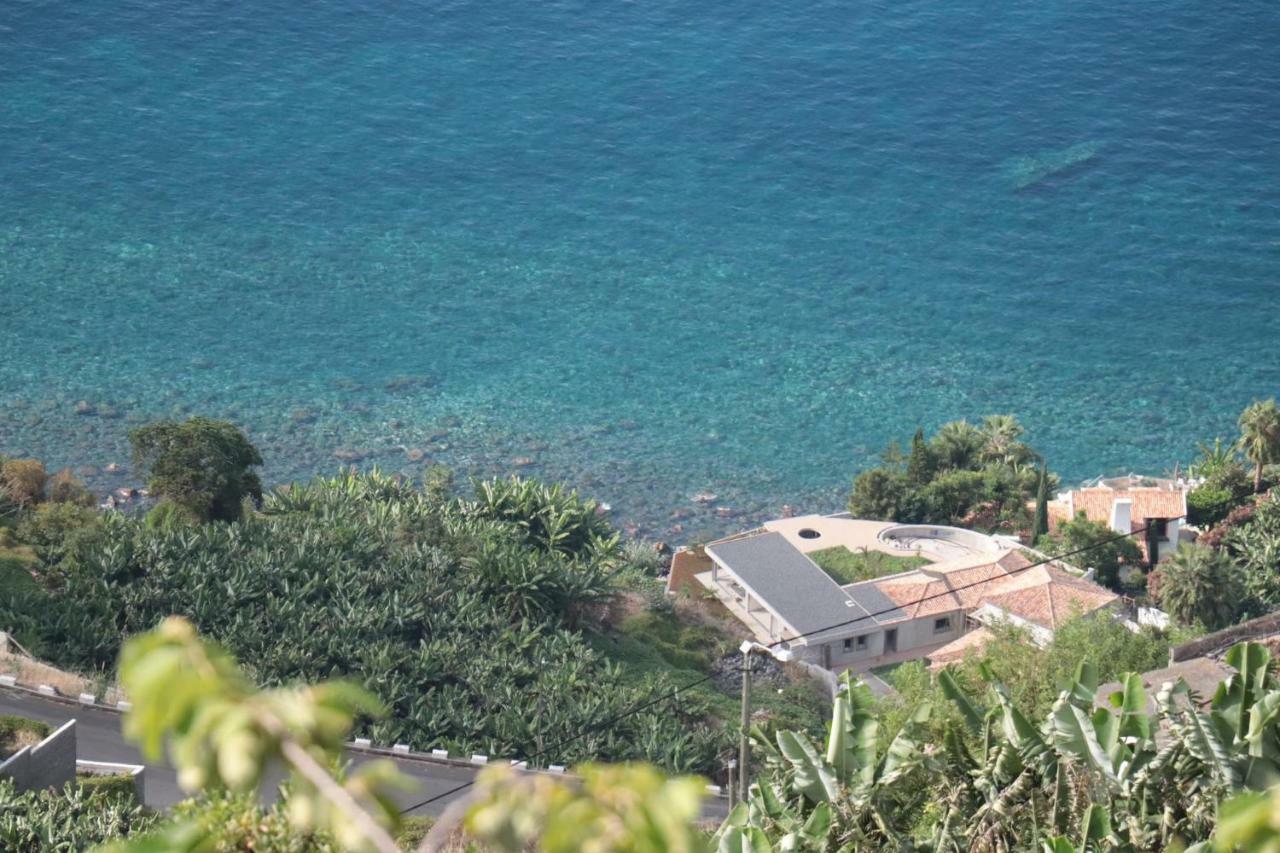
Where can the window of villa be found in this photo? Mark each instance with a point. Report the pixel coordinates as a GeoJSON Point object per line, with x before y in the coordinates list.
{"type": "Point", "coordinates": [848, 644]}
{"type": "Point", "coordinates": [862, 641]}
{"type": "Point", "coordinates": [941, 625]}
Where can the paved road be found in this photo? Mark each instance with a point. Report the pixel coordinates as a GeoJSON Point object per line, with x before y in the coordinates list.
{"type": "Point", "coordinates": [98, 738]}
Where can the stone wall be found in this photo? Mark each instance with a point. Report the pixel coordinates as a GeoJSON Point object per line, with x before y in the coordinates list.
{"type": "Point", "coordinates": [1219, 641]}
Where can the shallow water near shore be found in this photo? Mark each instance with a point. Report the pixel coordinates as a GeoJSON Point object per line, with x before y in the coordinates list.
{"type": "Point", "coordinates": [654, 249]}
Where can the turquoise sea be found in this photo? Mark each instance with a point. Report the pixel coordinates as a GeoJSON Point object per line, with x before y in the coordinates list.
{"type": "Point", "coordinates": [654, 248]}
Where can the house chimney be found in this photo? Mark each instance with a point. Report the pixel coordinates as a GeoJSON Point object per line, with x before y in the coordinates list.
{"type": "Point", "coordinates": [1122, 515]}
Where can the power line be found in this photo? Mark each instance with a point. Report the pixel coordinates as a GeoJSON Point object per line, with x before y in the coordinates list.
{"type": "Point", "coordinates": [949, 591]}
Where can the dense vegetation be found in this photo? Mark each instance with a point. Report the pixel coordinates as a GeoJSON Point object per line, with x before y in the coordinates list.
{"type": "Point", "coordinates": [1095, 772]}
{"type": "Point", "coordinates": [461, 615]}
{"type": "Point", "coordinates": [1231, 574]}
{"type": "Point", "coordinates": [203, 467]}
{"type": "Point", "coordinates": [66, 821]}
{"type": "Point", "coordinates": [978, 476]}
{"type": "Point", "coordinates": [1092, 545]}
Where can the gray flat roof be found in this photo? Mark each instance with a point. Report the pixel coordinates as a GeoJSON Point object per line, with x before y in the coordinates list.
{"type": "Point", "coordinates": [791, 584]}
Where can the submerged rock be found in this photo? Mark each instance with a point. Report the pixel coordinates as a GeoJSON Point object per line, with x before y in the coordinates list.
{"type": "Point", "coordinates": [1027, 171]}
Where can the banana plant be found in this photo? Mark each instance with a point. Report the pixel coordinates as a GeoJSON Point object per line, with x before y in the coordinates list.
{"type": "Point", "coordinates": [1237, 740]}
{"type": "Point", "coordinates": [850, 783]}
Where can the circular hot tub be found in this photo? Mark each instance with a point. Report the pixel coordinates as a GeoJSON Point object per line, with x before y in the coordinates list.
{"type": "Point", "coordinates": [939, 540]}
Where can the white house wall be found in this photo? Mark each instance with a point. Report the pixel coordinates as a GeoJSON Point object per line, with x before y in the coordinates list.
{"type": "Point", "coordinates": [912, 634]}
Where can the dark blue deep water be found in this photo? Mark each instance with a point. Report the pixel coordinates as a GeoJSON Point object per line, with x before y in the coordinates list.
{"type": "Point", "coordinates": [651, 247]}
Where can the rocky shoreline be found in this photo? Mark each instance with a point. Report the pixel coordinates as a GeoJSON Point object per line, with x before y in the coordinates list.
{"type": "Point", "coordinates": [89, 435]}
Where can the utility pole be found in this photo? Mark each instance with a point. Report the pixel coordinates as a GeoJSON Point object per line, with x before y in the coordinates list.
{"type": "Point", "coordinates": [744, 756]}
{"type": "Point", "coordinates": [744, 745]}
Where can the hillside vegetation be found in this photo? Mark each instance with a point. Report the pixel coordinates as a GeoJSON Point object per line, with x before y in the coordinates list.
{"type": "Point", "coordinates": [462, 616]}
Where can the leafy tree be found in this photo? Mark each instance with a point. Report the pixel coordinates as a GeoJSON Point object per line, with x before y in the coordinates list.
{"type": "Point", "coordinates": [1107, 550]}
{"type": "Point", "coordinates": [952, 494]}
{"type": "Point", "coordinates": [883, 494]}
{"type": "Point", "coordinates": [1254, 548]}
{"type": "Point", "coordinates": [1213, 459]}
{"type": "Point", "coordinates": [1208, 504]}
{"type": "Point", "coordinates": [204, 466]}
{"type": "Point", "coordinates": [1260, 436]}
{"type": "Point", "coordinates": [921, 464]}
{"type": "Point", "coordinates": [58, 532]}
{"type": "Point", "coordinates": [972, 476]}
{"type": "Point", "coordinates": [1198, 586]}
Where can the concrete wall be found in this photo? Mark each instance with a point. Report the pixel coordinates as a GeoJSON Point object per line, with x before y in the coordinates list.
{"type": "Point", "coordinates": [49, 764]}
{"type": "Point", "coordinates": [912, 634]}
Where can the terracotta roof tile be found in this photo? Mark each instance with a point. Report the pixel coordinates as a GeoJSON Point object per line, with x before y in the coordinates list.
{"type": "Point", "coordinates": [1148, 502]}
{"type": "Point", "coordinates": [960, 648]}
{"type": "Point", "coordinates": [1041, 594]}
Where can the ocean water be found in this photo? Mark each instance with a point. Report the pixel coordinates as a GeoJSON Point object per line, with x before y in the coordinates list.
{"type": "Point", "coordinates": [654, 248]}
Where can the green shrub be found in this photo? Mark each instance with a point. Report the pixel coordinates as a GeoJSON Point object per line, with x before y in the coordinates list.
{"type": "Point", "coordinates": [65, 487]}
{"type": "Point", "coordinates": [57, 532]}
{"type": "Point", "coordinates": [24, 480]}
{"type": "Point", "coordinates": [1208, 504]}
{"type": "Point", "coordinates": [167, 515]}
{"type": "Point", "coordinates": [116, 787]}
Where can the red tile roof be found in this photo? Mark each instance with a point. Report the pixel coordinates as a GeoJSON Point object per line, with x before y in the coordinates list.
{"type": "Point", "coordinates": [1041, 594]}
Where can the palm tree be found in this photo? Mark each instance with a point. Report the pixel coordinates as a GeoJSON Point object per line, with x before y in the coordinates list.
{"type": "Point", "coordinates": [958, 444]}
{"type": "Point", "coordinates": [1260, 436]}
{"type": "Point", "coordinates": [1001, 442]}
{"type": "Point", "coordinates": [1198, 585]}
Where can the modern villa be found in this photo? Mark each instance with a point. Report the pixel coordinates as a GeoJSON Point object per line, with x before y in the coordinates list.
{"type": "Point", "coordinates": [1126, 504]}
{"type": "Point", "coordinates": [845, 593]}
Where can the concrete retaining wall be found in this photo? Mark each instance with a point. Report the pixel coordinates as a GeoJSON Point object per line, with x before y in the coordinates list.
{"type": "Point", "coordinates": [137, 772]}
{"type": "Point", "coordinates": [49, 764]}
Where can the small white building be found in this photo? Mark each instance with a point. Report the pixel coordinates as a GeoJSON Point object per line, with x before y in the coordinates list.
{"type": "Point", "coordinates": [1128, 504]}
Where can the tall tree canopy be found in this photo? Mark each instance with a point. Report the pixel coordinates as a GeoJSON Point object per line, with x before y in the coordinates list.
{"type": "Point", "coordinates": [203, 465]}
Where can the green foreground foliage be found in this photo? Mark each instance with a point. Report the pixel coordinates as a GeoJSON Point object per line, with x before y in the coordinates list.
{"type": "Point", "coordinates": [1119, 770]}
